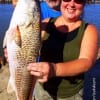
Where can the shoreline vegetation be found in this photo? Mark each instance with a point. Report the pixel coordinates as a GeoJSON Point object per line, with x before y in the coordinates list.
{"type": "Point", "coordinates": [88, 1]}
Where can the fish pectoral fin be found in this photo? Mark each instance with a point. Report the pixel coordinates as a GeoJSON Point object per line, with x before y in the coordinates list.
{"type": "Point", "coordinates": [10, 87]}
{"type": "Point", "coordinates": [18, 36]}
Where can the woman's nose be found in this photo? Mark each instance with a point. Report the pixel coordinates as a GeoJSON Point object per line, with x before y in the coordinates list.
{"type": "Point", "coordinates": [72, 3]}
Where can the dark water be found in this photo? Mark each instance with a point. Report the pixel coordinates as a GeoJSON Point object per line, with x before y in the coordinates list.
{"type": "Point", "coordinates": [91, 14]}
{"type": "Point", "coordinates": [5, 15]}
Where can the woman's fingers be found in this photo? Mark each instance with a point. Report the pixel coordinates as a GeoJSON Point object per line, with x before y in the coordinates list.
{"type": "Point", "coordinates": [38, 69]}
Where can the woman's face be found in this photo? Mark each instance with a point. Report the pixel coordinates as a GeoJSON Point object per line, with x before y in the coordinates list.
{"type": "Point", "coordinates": [72, 9]}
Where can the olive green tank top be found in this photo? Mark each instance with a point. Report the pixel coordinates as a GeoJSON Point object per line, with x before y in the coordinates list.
{"type": "Point", "coordinates": [62, 47]}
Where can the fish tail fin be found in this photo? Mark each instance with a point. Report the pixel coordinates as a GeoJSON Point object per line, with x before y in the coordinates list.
{"type": "Point", "coordinates": [10, 88]}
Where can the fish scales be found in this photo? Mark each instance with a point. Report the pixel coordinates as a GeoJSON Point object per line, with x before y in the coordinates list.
{"type": "Point", "coordinates": [24, 49]}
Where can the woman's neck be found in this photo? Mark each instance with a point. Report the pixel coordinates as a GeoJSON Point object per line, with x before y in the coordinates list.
{"type": "Point", "coordinates": [69, 25]}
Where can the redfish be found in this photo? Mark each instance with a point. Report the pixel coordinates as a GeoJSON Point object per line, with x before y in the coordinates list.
{"type": "Point", "coordinates": [23, 43]}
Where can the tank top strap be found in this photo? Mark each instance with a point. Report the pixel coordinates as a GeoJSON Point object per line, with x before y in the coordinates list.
{"type": "Point", "coordinates": [82, 29]}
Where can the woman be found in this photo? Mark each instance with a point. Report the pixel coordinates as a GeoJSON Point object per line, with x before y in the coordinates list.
{"type": "Point", "coordinates": [69, 49]}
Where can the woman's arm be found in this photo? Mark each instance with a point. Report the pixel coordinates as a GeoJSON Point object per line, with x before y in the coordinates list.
{"type": "Point", "coordinates": [86, 58]}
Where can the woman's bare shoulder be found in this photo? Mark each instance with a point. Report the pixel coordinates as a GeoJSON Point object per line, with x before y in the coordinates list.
{"type": "Point", "coordinates": [91, 27]}
{"type": "Point", "coordinates": [91, 30]}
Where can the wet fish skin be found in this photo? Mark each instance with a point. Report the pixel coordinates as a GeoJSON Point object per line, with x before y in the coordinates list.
{"type": "Point", "coordinates": [23, 48]}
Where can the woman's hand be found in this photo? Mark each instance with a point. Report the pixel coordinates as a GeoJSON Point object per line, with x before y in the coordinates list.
{"type": "Point", "coordinates": [43, 70]}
